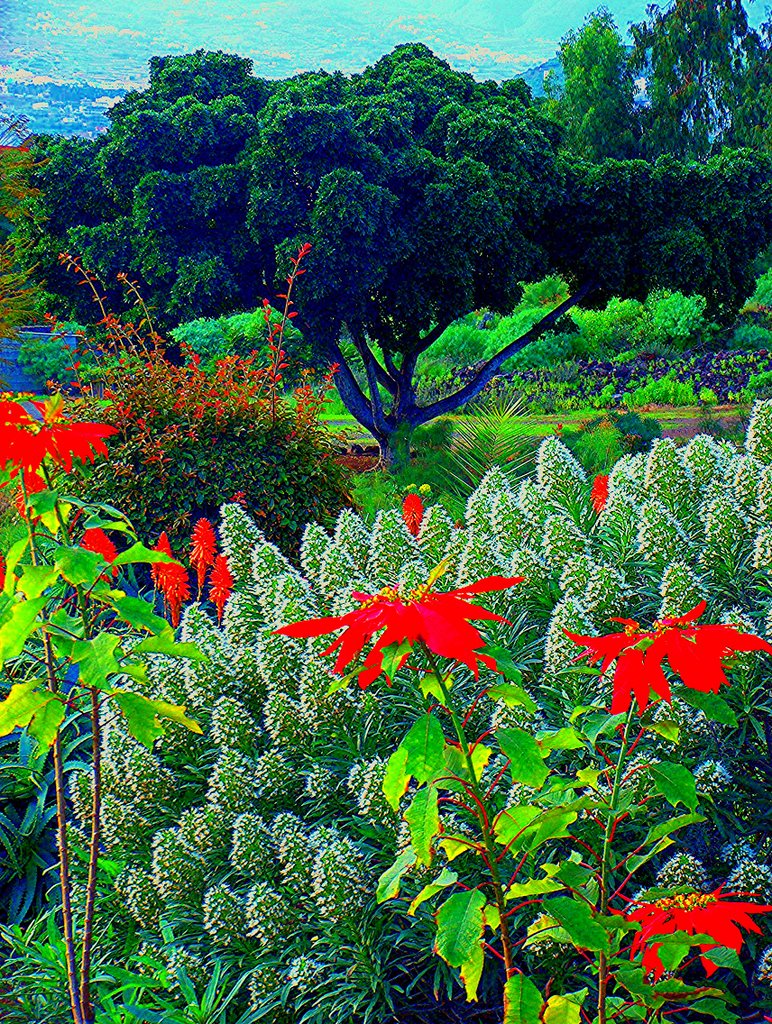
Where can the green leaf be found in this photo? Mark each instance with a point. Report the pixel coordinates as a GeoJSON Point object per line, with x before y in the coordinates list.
{"type": "Point", "coordinates": [143, 716]}
{"type": "Point", "coordinates": [35, 579]}
{"type": "Point", "coordinates": [513, 822]}
{"type": "Point", "coordinates": [666, 728]}
{"type": "Point", "coordinates": [97, 660]}
{"type": "Point", "coordinates": [23, 702]}
{"type": "Point", "coordinates": [138, 613]}
{"type": "Point", "coordinates": [460, 927]}
{"type": "Point", "coordinates": [553, 824]}
{"type": "Point", "coordinates": [445, 878]}
{"type": "Point", "coordinates": [20, 623]}
{"type": "Point", "coordinates": [396, 778]}
{"type": "Point", "coordinates": [139, 554]}
{"type": "Point", "coordinates": [12, 559]}
{"type": "Point", "coordinates": [522, 1001]}
{"type": "Point", "coordinates": [45, 724]}
{"type": "Point", "coordinates": [424, 744]}
{"type": "Point", "coordinates": [564, 1009]}
{"type": "Point", "coordinates": [423, 819]}
{"type": "Point", "coordinates": [512, 695]}
{"type": "Point", "coordinates": [665, 828]}
{"type": "Point", "coordinates": [389, 882]}
{"type": "Point", "coordinates": [504, 664]}
{"type": "Point", "coordinates": [560, 739]}
{"type": "Point", "coordinates": [471, 972]}
{"type": "Point", "coordinates": [715, 1009]}
{"type": "Point", "coordinates": [77, 565]}
{"type": "Point", "coordinates": [675, 783]}
{"type": "Point", "coordinates": [722, 956]}
{"type": "Point", "coordinates": [579, 921]}
{"type": "Point", "coordinates": [165, 643]}
{"type": "Point", "coordinates": [394, 657]}
{"type": "Point", "coordinates": [712, 706]}
{"type": "Point", "coordinates": [527, 765]}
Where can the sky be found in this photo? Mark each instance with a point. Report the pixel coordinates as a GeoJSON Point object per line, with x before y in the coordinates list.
{"type": "Point", "coordinates": [110, 41]}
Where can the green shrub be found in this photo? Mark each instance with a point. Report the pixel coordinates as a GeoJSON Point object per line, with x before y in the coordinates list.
{"type": "Point", "coordinates": [273, 836]}
{"type": "Point", "coordinates": [676, 319]}
{"type": "Point", "coordinates": [187, 438]}
{"type": "Point", "coordinates": [762, 295]}
{"type": "Point", "coordinates": [46, 358]}
{"type": "Point", "coordinates": [664, 391]}
{"type": "Point", "coordinates": [750, 336]}
{"type": "Point", "coordinates": [617, 328]}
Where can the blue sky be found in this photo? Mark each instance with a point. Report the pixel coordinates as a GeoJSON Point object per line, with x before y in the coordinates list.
{"type": "Point", "coordinates": [109, 41]}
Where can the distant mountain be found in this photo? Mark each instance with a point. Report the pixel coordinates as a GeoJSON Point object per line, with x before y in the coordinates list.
{"type": "Point", "coordinates": [535, 76]}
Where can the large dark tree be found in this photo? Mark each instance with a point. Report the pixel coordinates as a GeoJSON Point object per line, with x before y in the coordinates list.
{"type": "Point", "coordinates": [424, 194]}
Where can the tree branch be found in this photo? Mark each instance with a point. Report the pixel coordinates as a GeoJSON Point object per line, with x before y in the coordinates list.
{"type": "Point", "coordinates": [371, 369]}
{"type": "Point", "coordinates": [489, 369]}
{"type": "Point", "coordinates": [350, 392]}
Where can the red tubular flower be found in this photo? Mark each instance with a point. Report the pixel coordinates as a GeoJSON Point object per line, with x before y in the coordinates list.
{"type": "Point", "coordinates": [203, 550]}
{"type": "Point", "coordinates": [162, 545]}
{"type": "Point", "coordinates": [696, 913]}
{"type": "Point", "coordinates": [175, 587]}
{"type": "Point", "coordinates": [695, 653]}
{"type": "Point", "coordinates": [442, 621]}
{"type": "Point", "coordinates": [97, 540]}
{"type": "Point", "coordinates": [599, 493]}
{"type": "Point", "coordinates": [220, 584]}
{"type": "Point", "coordinates": [25, 440]}
{"type": "Point", "coordinates": [413, 512]}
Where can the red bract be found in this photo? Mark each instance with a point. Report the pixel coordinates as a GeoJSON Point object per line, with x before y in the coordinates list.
{"type": "Point", "coordinates": [97, 540]}
{"type": "Point", "coordinates": [33, 484]}
{"type": "Point", "coordinates": [599, 493]}
{"type": "Point", "coordinates": [220, 584]}
{"type": "Point", "coordinates": [413, 513]}
{"type": "Point", "coordinates": [203, 549]}
{"type": "Point", "coordinates": [25, 440]}
{"type": "Point", "coordinates": [441, 621]}
{"type": "Point", "coordinates": [695, 653]}
{"type": "Point", "coordinates": [696, 913]}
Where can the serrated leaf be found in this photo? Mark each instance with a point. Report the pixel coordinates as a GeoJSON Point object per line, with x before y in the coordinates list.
{"type": "Point", "coordinates": [12, 559]}
{"type": "Point", "coordinates": [46, 721]}
{"type": "Point", "coordinates": [712, 706]}
{"type": "Point", "coordinates": [23, 702]}
{"type": "Point", "coordinates": [675, 783]}
{"type": "Point", "coordinates": [563, 1010]}
{"type": "Point", "coordinates": [523, 1001]}
{"type": "Point", "coordinates": [459, 927]}
{"type": "Point", "coordinates": [165, 643]}
{"type": "Point", "coordinates": [144, 716]}
{"type": "Point", "coordinates": [138, 613]}
{"type": "Point", "coordinates": [423, 820]}
{"type": "Point", "coordinates": [504, 663]}
{"type": "Point", "coordinates": [96, 659]}
{"type": "Point", "coordinates": [139, 554]}
{"type": "Point", "coordinates": [445, 878]}
{"type": "Point", "coordinates": [396, 779]}
{"type": "Point", "coordinates": [577, 918]}
{"type": "Point", "coordinates": [560, 739]}
{"type": "Point", "coordinates": [77, 565]}
{"type": "Point", "coordinates": [20, 622]}
{"type": "Point", "coordinates": [425, 744]}
{"type": "Point", "coordinates": [389, 882]}
{"type": "Point", "coordinates": [525, 756]}
{"type": "Point", "coordinates": [512, 695]}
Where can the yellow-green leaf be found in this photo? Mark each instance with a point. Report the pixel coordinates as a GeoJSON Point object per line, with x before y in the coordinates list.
{"type": "Point", "coordinates": [522, 1001]}
{"type": "Point", "coordinates": [423, 819]}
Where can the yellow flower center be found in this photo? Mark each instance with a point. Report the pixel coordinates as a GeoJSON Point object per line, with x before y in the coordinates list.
{"type": "Point", "coordinates": [686, 901]}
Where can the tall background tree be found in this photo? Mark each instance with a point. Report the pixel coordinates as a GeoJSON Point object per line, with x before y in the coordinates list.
{"type": "Point", "coordinates": [16, 195]}
{"type": "Point", "coordinates": [595, 101]}
{"type": "Point", "coordinates": [698, 57]}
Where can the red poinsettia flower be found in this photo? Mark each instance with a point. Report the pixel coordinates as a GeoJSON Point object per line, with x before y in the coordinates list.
{"type": "Point", "coordinates": [441, 621]}
{"type": "Point", "coordinates": [203, 549]}
{"type": "Point", "coordinates": [599, 493]}
{"type": "Point", "coordinates": [97, 540]}
{"type": "Point", "coordinates": [697, 913]}
{"type": "Point", "coordinates": [413, 512]}
{"type": "Point", "coordinates": [26, 440]}
{"type": "Point", "coordinates": [695, 653]}
{"type": "Point", "coordinates": [220, 585]}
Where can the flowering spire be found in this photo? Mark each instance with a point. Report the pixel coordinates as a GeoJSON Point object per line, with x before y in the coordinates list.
{"type": "Point", "coordinates": [203, 550]}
